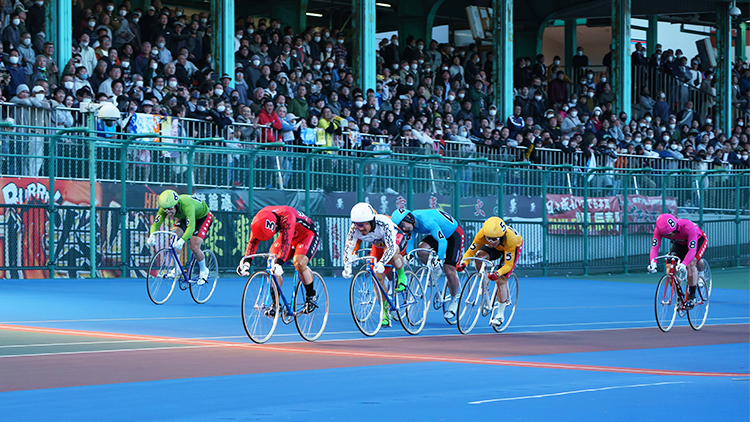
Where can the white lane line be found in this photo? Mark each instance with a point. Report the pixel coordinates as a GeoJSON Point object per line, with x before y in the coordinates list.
{"type": "Point", "coordinates": [85, 352]}
{"type": "Point", "coordinates": [565, 393]}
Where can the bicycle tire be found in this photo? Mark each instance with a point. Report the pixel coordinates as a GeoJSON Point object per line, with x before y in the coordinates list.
{"type": "Point", "coordinates": [698, 315]}
{"type": "Point", "coordinates": [311, 324]}
{"type": "Point", "coordinates": [364, 303]}
{"type": "Point", "coordinates": [202, 292]}
{"type": "Point", "coordinates": [425, 277]}
{"type": "Point", "coordinates": [258, 298]}
{"type": "Point", "coordinates": [447, 302]}
{"type": "Point", "coordinates": [665, 303]}
{"type": "Point", "coordinates": [513, 297]}
{"type": "Point", "coordinates": [158, 285]}
{"type": "Point", "coordinates": [412, 305]}
{"type": "Point", "coordinates": [470, 303]}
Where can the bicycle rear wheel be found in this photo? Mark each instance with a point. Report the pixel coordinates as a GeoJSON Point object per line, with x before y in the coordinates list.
{"type": "Point", "coordinates": [364, 302]}
{"type": "Point", "coordinates": [470, 303]}
{"type": "Point", "coordinates": [260, 307]}
{"type": "Point", "coordinates": [665, 303]}
{"type": "Point", "coordinates": [697, 316]}
{"type": "Point", "coordinates": [311, 319]}
{"type": "Point", "coordinates": [510, 310]}
{"type": "Point", "coordinates": [162, 275]}
{"type": "Point", "coordinates": [202, 292]}
{"type": "Point", "coordinates": [412, 305]}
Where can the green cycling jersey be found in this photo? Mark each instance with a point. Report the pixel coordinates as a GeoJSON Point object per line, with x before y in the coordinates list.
{"type": "Point", "coordinates": [189, 208]}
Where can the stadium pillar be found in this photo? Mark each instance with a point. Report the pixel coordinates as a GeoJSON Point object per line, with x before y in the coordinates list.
{"type": "Point", "coordinates": [571, 43]}
{"type": "Point", "coordinates": [59, 30]}
{"type": "Point", "coordinates": [292, 13]}
{"type": "Point", "coordinates": [741, 41]}
{"type": "Point", "coordinates": [621, 73]}
{"type": "Point", "coordinates": [222, 39]}
{"type": "Point", "coordinates": [652, 34]}
{"type": "Point", "coordinates": [363, 59]}
{"type": "Point", "coordinates": [502, 47]}
{"type": "Point", "coordinates": [723, 114]}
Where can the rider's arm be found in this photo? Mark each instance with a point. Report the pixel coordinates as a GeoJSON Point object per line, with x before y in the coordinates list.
{"type": "Point", "coordinates": [475, 245]}
{"type": "Point", "coordinates": [351, 245]}
{"type": "Point", "coordinates": [389, 237]}
{"type": "Point", "coordinates": [252, 246]}
{"type": "Point", "coordinates": [509, 262]}
{"type": "Point", "coordinates": [694, 234]}
{"type": "Point", "coordinates": [158, 221]}
{"type": "Point", "coordinates": [287, 225]}
{"type": "Point", "coordinates": [188, 209]}
{"type": "Point", "coordinates": [438, 235]}
{"type": "Point", "coordinates": [655, 244]}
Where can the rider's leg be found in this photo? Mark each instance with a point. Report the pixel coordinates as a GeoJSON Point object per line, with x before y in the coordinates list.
{"type": "Point", "coordinates": [195, 246]}
{"type": "Point", "coordinates": [692, 273]}
{"type": "Point", "coordinates": [451, 278]}
{"type": "Point", "coordinates": [423, 255]}
{"type": "Point", "coordinates": [502, 289]}
{"type": "Point", "coordinates": [398, 263]}
{"type": "Point", "coordinates": [305, 273]}
{"type": "Point", "coordinates": [480, 254]}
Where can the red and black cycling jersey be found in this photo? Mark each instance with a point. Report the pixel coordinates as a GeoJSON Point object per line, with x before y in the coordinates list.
{"type": "Point", "coordinates": [292, 225]}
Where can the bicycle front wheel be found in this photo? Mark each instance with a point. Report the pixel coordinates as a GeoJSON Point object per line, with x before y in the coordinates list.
{"type": "Point", "coordinates": [510, 310]}
{"type": "Point", "coordinates": [202, 292]}
{"type": "Point", "coordinates": [425, 277]}
{"type": "Point", "coordinates": [470, 303]}
{"type": "Point", "coordinates": [260, 307]}
{"type": "Point", "coordinates": [412, 305]}
{"type": "Point", "coordinates": [665, 303]}
{"type": "Point", "coordinates": [364, 302]}
{"type": "Point", "coordinates": [162, 275]}
{"type": "Point", "coordinates": [697, 316]}
{"type": "Point", "coordinates": [311, 318]}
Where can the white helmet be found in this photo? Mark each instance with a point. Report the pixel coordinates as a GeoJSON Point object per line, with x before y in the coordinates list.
{"type": "Point", "coordinates": [362, 213]}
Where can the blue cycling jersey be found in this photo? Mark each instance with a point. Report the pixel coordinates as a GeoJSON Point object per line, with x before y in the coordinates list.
{"type": "Point", "coordinates": [439, 224]}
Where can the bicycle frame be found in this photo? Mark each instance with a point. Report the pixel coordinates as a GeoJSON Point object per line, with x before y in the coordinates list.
{"type": "Point", "coordinates": [176, 256]}
{"type": "Point", "coordinates": [371, 269]}
{"type": "Point", "coordinates": [487, 298]}
{"type": "Point", "coordinates": [676, 278]}
{"type": "Point", "coordinates": [270, 262]}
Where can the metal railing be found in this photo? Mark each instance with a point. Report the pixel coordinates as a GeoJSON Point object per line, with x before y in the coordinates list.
{"type": "Point", "coordinates": [573, 218]}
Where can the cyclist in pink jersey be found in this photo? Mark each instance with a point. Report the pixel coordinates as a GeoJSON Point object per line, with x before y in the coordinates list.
{"type": "Point", "coordinates": [688, 243]}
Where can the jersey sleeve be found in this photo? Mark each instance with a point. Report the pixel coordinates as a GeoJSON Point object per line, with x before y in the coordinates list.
{"type": "Point", "coordinates": [509, 262]}
{"type": "Point", "coordinates": [158, 221]}
{"type": "Point", "coordinates": [287, 226]}
{"type": "Point", "coordinates": [692, 243]}
{"type": "Point", "coordinates": [389, 237]}
{"type": "Point", "coordinates": [252, 246]}
{"type": "Point", "coordinates": [655, 244]}
{"type": "Point", "coordinates": [475, 245]}
{"type": "Point", "coordinates": [188, 208]}
{"type": "Point", "coordinates": [352, 245]}
{"type": "Point", "coordinates": [437, 233]}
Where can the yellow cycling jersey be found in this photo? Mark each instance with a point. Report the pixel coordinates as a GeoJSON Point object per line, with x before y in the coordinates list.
{"type": "Point", "coordinates": [509, 246]}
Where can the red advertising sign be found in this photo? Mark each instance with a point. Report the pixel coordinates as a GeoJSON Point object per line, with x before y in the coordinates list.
{"type": "Point", "coordinates": [565, 214]}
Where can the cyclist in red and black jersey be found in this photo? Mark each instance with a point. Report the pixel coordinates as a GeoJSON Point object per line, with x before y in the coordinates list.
{"type": "Point", "coordinates": [298, 238]}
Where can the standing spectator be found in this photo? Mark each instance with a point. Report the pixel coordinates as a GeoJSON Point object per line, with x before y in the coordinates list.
{"type": "Point", "coordinates": [339, 51]}
{"type": "Point", "coordinates": [580, 62]}
{"type": "Point", "coordinates": [17, 72]}
{"type": "Point", "coordinates": [35, 18]}
{"type": "Point", "coordinates": [12, 33]}
{"type": "Point", "coordinates": [661, 107]}
{"type": "Point", "coordinates": [557, 90]}
{"type": "Point", "coordinates": [269, 118]}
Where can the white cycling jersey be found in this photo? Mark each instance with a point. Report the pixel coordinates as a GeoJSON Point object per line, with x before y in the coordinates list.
{"type": "Point", "coordinates": [383, 235]}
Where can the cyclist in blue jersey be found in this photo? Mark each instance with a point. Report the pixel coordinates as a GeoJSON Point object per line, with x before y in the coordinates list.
{"type": "Point", "coordinates": [443, 235]}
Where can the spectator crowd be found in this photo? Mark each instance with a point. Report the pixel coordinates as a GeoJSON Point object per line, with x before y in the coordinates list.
{"type": "Point", "coordinates": [427, 95]}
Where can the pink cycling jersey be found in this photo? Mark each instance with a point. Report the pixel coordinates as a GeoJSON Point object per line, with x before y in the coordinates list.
{"type": "Point", "coordinates": [687, 233]}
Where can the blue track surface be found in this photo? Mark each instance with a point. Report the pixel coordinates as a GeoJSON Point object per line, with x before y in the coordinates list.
{"type": "Point", "coordinates": [419, 391]}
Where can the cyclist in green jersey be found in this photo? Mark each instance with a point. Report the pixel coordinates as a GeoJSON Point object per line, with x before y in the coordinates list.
{"type": "Point", "coordinates": [193, 218]}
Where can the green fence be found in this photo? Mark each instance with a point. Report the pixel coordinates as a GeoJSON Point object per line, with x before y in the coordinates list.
{"type": "Point", "coordinates": [573, 220]}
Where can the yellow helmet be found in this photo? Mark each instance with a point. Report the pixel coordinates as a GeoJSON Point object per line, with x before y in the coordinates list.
{"type": "Point", "coordinates": [494, 227]}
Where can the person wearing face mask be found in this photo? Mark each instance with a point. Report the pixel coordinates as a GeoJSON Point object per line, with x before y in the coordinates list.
{"type": "Point", "coordinates": [12, 33]}
{"type": "Point", "coordinates": [35, 18]}
{"type": "Point", "coordinates": [571, 124]}
{"type": "Point", "coordinates": [580, 61]}
{"type": "Point", "coordinates": [707, 88]}
{"type": "Point", "coordinates": [17, 72]}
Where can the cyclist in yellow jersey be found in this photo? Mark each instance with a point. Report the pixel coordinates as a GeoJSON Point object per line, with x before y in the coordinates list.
{"type": "Point", "coordinates": [496, 240]}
